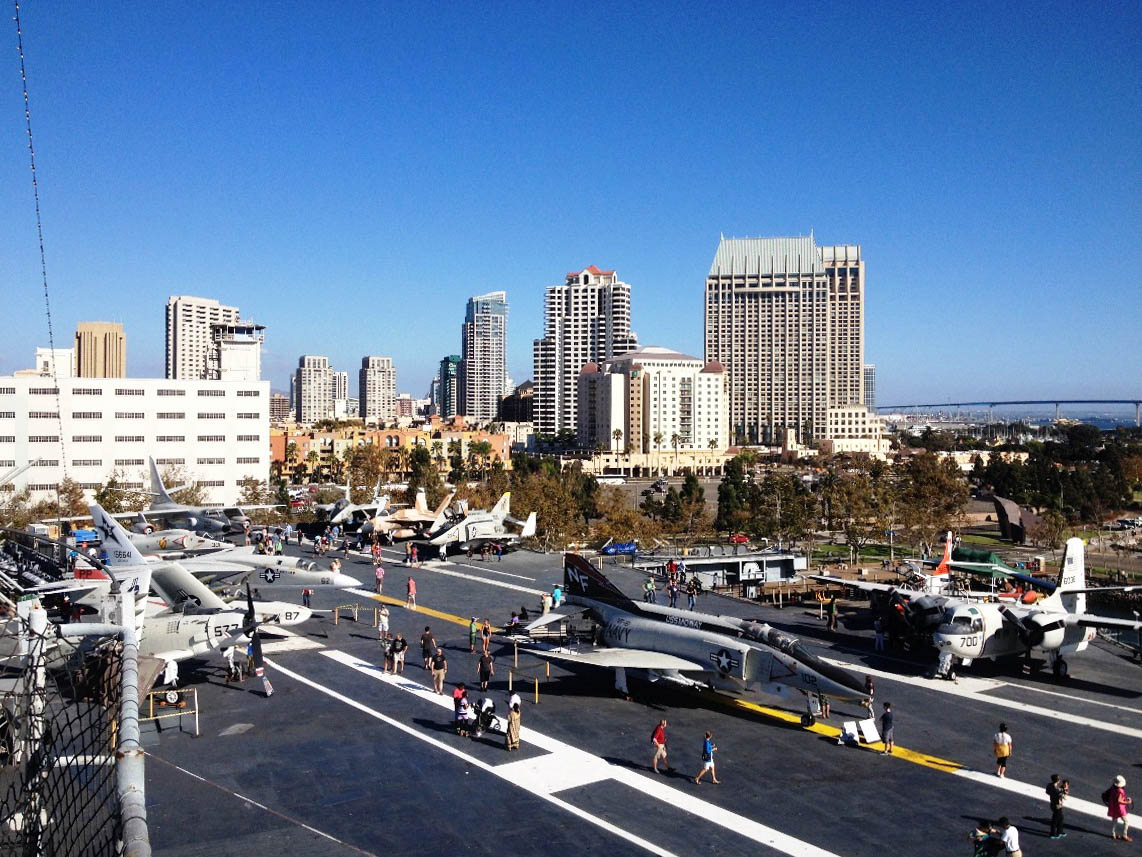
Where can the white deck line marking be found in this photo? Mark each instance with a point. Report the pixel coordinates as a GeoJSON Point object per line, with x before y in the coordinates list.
{"type": "Point", "coordinates": [399, 559]}
{"type": "Point", "coordinates": [1022, 686]}
{"type": "Point", "coordinates": [471, 760]}
{"type": "Point", "coordinates": [574, 757]}
{"type": "Point", "coordinates": [1087, 807]}
{"type": "Point", "coordinates": [484, 580]}
{"type": "Point", "coordinates": [964, 689]}
{"type": "Point", "coordinates": [553, 772]}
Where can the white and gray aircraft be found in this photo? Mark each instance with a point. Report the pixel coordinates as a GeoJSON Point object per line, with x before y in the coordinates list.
{"type": "Point", "coordinates": [352, 515]}
{"type": "Point", "coordinates": [968, 627]}
{"type": "Point", "coordinates": [693, 649]}
{"type": "Point", "coordinates": [175, 543]}
{"type": "Point", "coordinates": [472, 530]}
{"type": "Point", "coordinates": [407, 523]}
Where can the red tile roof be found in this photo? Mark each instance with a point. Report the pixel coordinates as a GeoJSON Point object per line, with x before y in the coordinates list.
{"type": "Point", "coordinates": [590, 269]}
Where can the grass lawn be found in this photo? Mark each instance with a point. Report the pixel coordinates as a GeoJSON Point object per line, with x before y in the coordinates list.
{"type": "Point", "coordinates": [980, 539]}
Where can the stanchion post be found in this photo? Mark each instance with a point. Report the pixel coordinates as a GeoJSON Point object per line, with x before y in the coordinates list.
{"type": "Point", "coordinates": [536, 680]}
{"type": "Point", "coordinates": [510, 673]}
{"type": "Point", "coordinates": [515, 655]}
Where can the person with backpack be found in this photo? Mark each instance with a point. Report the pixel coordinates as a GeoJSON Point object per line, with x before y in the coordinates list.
{"type": "Point", "coordinates": [1118, 808]}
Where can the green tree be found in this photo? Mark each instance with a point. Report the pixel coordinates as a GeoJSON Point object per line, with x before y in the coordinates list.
{"type": "Point", "coordinates": [620, 523]}
{"type": "Point", "coordinates": [189, 493]}
{"type": "Point", "coordinates": [933, 496]}
{"type": "Point", "coordinates": [365, 465]}
{"type": "Point", "coordinates": [423, 474]}
{"type": "Point", "coordinates": [617, 434]}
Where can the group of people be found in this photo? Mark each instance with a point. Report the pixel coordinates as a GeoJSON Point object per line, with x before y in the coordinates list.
{"type": "Point", "coordinates": [676, 584]}
{"type": "Point", "coordinates": [1117, 802]}
{"type": "Point", "coordinates": [658, 742]}
{"type": "Point", "coordinates": [474, 720]}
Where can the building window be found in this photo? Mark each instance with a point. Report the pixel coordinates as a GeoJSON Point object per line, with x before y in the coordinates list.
{"type": "Point", "coordinates": [211, 483]}
{"type": "Point", "coordinates": [43, 415]}
{"type": "Point", "coordinates": [43, 438]}
{"type": "Point", "coordinates": [128, 415]}
{"type": "Point", "coordinates": [42, 391]}
{"type": "Point", "coordinates": [211, 416]}
{"type": "Point", "coordinates": [249, 460]}
{"type": "Point", "coordinates": [87, 438]}
{"type": "Point", "coordinates": [249, 437]}
{"type": "Point", "coordinates": [212, 392]}
{"type": "Point", "coordinates": [7, 415]}
{"type": "Point", "coordinates": [171, 392]}
{"type": "Point", "coordinates": [171, 415]}
{"type": "Point", "coordinates": [128, 438]}
{"type": "Point", "coordinates": [87, 415]}
{"type": "Point", "coordinates": [7, 391]}
{"type": "Point", "coordinates": [87, 462]}
{"type": "Point", "coordinates": [211, 438]}
{"type": "Point", "coordinates": [249, 392]}
{"type": "Point", "coordinates": [170, 461]}
{"type": "Point", "coordinates": [248, 416]}
{"type": "Point", "coordinates": [87, 391]}
{"type": "Point", "coordinates": [170, 438]}
{"type": "Point", "coordinates": [128, 462]}
{"type": "Point", "coordinates": [127, 391]}
{"type": "Point", "coordinates": [212, 461]}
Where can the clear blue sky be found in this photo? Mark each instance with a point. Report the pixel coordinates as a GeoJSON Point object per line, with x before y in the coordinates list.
{"type": "Point", "coordinates": [349, 174]}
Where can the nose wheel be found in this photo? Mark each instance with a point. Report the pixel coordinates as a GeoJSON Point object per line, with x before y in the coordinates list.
{"type": "Point", "coordinates": [808, 720]}
{"type": "Point", "coordinates": [1059, 668]}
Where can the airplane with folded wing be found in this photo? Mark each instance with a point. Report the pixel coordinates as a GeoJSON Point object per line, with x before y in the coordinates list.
{"type": "Point", "coordinates": [407, 523]}
{"type": "Point", "coordinates": [692, 649]}
{"type": "Point", "coordinates": [965, 627]}
{"type": "Point", "coordinates": [472, 530]}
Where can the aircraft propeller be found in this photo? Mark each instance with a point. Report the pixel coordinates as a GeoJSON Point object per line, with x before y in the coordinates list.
{"type": "Point", "coordinates": [250, 628]}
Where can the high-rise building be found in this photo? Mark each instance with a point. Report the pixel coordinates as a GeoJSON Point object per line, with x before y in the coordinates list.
{"type": "Point", "coordinates": [406, 407]}
{"type": "Point", "coordinates": [585, 320]}
{"type": "Point", "coordinates": [279, 408]}
{"type": "Point", "coordinates": [516, 406]}
{"type": "Point", "coordinates": [340, 388]}
{"type": "Point", "coordinates": [313, 397]}
{"type": "Point", "coordinates": [377, 382]}
{"type": "Point", "coordinates": [189, 336]}
{"type": "Point", "coordinates": [786, 319]}
{"type": "Point", "coordinates": [870, 387]}
{"type": "Point", "coordinates": [483, 368]}
{"type": "Point", "coordinates": [653, 399]}
{"type": "Point", "coordinates": [235, 352]}
{"type": "Point", "coordinates": [448, 401]}
{"type": "Point", "coordinates": [100, 350]}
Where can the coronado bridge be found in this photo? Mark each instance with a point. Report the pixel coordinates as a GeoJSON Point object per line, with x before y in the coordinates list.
{"type": "Point", "coordinates": [995, 403]}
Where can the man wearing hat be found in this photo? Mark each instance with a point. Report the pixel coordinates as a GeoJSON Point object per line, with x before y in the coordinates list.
{"type": "Point", "coordinates": [1118, 808]}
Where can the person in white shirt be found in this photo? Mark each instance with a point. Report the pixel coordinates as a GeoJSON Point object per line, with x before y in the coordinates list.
{"type": "Point", "coordinates": [1009, 836]}
{"type": "Point", "coordinates": [1002, 747]}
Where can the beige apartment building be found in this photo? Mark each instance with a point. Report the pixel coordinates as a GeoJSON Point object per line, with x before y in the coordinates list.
{"type": "Point", "coordinates": [100, 350]}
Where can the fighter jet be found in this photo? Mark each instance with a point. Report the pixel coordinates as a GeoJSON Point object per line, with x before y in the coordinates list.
{"type": "Point", "coordinates": [407, 523]}
{"type": "Point", "coordinates": [171, 544]}
{"type": "Point", "coordinates": [724, 653]}
{"type": "Point", "coordinates": [473, 530]}
{"type": "Point", "coordinates": [352, 515]}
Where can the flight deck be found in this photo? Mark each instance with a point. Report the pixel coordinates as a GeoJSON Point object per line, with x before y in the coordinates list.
{"type": "Point", "coordinates": [344, 759]}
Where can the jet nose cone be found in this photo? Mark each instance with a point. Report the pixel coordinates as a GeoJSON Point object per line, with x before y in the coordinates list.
{"type": "Point", "coordinates": [344, 581]}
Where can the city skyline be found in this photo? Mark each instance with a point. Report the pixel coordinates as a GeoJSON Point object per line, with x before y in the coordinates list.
{"type": "Point", "coordinates": [931, 149]}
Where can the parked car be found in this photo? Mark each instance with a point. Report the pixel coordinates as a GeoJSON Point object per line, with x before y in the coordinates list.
{"type": "Point", "coordinates": [739, 539]}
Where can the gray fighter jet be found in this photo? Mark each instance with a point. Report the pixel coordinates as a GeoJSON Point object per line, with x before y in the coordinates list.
{"type": "Point", "coordinates": [721, 652]}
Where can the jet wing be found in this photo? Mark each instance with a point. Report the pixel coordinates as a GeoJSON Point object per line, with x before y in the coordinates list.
{"type": "Point", "coordinates": [865, 586]}
{"type": "Point", "coordinates": [1089, 620]}
{"type": "Point", "coordinates": [635, 659]}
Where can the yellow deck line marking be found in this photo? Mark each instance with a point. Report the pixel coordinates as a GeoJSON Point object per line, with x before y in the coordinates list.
{"type": "Point", "coordinates": [427, 611]}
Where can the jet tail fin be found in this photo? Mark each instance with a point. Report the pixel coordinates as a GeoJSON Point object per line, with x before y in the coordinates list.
{"type": "Point", "coordinates": [503, 506]}
{"type": "Point", "coordinates": [377, 498]}
{"type": "Point", "coordinates": [528, 527]}
{"type": "Point", "coordinates": [580, 577]}
{"type": "Point", "coordinates": [120, 550]}
{"type": "Point", "coordinates": [421, 502]}
{"type": "Point", "coordinates": [1072, 576]}
{"type": "Point", "coordinates": [444, 504]}
{"type": "Point", "coordinates": [158, 490]}
{"type": "Point", "coordinates": [945, 564]}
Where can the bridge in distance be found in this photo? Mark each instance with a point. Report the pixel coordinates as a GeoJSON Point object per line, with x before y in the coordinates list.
{"type": "Point", "coordinates": [994, 403]}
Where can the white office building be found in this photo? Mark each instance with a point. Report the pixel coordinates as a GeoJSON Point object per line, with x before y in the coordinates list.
{"type": "Point", "coordinates": [377, 383]}
{"type": "Point", "coordinates": [585, 320]}
{"type": "Point", "coordinates": [59, 363]}
{"type": "Point", "coordinates": [483, 367]}
{"type": "Point", "coordinates": [189, 336]}
{"type": "Point", "coordinates": [217, 432]}
{"type": "Point", "coordinates": [653, 399]}
{"type": "Point", "coordinates": [313, 389]}
{"type": "Point", "coordinates": [235, 352]}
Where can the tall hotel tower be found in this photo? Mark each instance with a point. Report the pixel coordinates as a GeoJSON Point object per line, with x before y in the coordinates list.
{"type": "Point", "coordinates": [786, 319]}
{"type": "Point", "coordinates": [585, 320]}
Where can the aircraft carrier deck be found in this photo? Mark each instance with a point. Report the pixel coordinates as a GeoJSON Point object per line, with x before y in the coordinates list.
{"type": "Point", "coordinates": [345, 760]}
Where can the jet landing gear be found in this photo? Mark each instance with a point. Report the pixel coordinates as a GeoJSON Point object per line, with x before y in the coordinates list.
{"type": "Point", "coordinates": [946, 666]}
{"type": "Point", "coordinates": [812, 711]}
{"type": "Point", "coordinates": [1058, 665]}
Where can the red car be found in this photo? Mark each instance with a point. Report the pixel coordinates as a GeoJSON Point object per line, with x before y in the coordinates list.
{"type": "Point", "coordinates": [739, 539]}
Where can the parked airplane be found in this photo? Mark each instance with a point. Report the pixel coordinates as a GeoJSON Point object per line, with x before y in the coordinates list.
{"type": "Point", "coordinates": [692, 649]}
{"type": "Point", "coordinates": [175, 542]}
{"type": "Point", "coordinates": [473, 530]}
{"type": "Point", "coordinates": [407, 523]}
{"type": "Point", "coordinates": [966, 627]}
{"type": "Point", "coordinates": [352, 515]}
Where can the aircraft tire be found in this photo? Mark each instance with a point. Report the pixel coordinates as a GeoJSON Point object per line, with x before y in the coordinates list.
{"type": "Point", "coordinates": [808, 720]}
{"type": "Point", "coordinates": [1060, 668]}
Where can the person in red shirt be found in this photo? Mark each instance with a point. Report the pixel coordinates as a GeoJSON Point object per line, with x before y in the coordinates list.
{"type": "Point", "coordinates": [658, 739]}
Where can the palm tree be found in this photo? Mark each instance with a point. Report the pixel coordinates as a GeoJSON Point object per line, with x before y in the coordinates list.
{"type": "Point", "coordinates": [675, 441]}
{"type": "Point", "coordinates": [311, 460]}
{"type": "Point", "coordinates": [617, 434]}
{"type": "Point", "coordinates": [658, 436]}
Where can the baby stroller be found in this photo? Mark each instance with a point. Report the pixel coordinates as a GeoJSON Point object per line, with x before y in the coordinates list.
{"type": "Point", "coordinates": [484, 718]}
